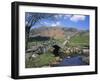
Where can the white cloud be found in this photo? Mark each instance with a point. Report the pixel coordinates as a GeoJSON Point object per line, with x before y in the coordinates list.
{"type": "Point", "coordinates": [46, 23]}
{"type": "Point", "coordinates": [62, 16]}
{"type": "Point", "coordinates": [55, 24]}
{"type": "Point", "coordinates": [74, 18]}
{"type": "Point", "coordinates": [58, 16]}
{"type": "Point", "coordinates": [77, 18]}
{"type": "Point", "coordinates": [52, 24]}
{"type": "Point", "coordinates": [58, 23]}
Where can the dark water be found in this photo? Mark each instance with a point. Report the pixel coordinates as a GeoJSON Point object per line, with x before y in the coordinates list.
{"type": "Point", "coordinates": [73, 61]}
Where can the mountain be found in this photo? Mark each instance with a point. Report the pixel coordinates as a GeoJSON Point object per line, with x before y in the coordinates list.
{"type": "Point", "coordinates": [69, 32]}
{"type": "Point", "coordinates": [55, 32]}
{"type": "Point", "coordinates": [52, 32]}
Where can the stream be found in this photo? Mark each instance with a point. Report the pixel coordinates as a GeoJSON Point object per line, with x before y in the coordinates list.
{"type": "Point", "coordinates": [72, 61]}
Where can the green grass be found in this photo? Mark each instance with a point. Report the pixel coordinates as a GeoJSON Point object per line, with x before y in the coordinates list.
{"type": "Point", "coordinates": [79, 40]}
{"type": "Point", "coordinates": [41, 60]}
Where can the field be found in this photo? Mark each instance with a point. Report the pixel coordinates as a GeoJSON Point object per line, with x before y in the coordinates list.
{"type": "Point", "coordinates": [81, 39]}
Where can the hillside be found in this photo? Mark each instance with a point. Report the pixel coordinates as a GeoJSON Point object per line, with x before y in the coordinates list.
{"type": "Point", "coordinates": [81, 39]}
{"type": "Point", "coordinates": [53, 32]}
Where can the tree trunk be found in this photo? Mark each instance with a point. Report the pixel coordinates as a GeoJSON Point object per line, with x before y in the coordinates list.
{"type": "Point", "coordinates": [27, 31]}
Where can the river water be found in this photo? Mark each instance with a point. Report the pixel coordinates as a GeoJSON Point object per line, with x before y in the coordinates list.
{"type": "Point", "coordinates": [72, 61]}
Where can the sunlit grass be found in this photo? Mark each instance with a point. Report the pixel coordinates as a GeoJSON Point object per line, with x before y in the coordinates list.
{"type": "Point", "coordinates": [41, 60]}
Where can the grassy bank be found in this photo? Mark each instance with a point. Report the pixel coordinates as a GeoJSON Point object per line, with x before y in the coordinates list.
{"type": "Point", "coordinates": [41, 60]}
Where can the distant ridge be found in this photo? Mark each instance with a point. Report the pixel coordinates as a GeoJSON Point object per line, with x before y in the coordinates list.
{"type": "Point", "coordinates": [54, 32]}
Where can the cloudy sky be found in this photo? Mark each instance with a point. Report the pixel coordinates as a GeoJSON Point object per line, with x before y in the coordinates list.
{"type": "Point", "coordinates": [80, 22]}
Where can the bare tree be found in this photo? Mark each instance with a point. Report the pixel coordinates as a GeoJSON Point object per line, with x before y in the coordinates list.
{"type": "Point", "coordinates": [31, 19]}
